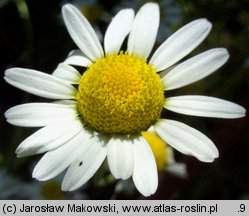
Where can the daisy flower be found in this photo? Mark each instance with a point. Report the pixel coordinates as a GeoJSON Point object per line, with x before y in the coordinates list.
{"type": "Point", "coordinates": [102, 113]}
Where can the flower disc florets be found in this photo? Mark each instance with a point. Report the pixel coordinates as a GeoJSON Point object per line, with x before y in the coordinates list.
{"type": "Point", "coordinates": [120, 94]}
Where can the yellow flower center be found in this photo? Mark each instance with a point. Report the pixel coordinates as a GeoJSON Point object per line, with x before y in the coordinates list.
{"type": "Point", "coordinates": [120, 94]}
{"type": "Point", "coordinates": [159, 149]}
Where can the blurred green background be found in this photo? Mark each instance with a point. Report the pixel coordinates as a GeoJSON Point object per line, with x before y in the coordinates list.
{"type": "Point", "coordinates": [33, 35]}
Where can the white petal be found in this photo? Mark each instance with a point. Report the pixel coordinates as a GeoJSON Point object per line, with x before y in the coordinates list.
{"type": "Point", "coordinates": [39, 114]}
{"type": "Point", "coordinates": [57, 160]}
{"type": "Point", "coordinates": [76, 52]}
{"type": "Point", "coordinates": [86, 164]}
{"type": "Point", "coordinates": [145, 174]}
{"type": "Point", "coordinates": [187, 140]}
{"type": "Point", "coordinates": [120, 157]}
{"type": "Point", "coordinates": [144, 31]}
{"type": "Point", "coordinates": [82, 32]}
{"type": "Point", "coordinates": [195, 68]}
{"type": "Point", "coordinates": [67, 73]}
{"type": "Point", "coordinates": [78, 60]}
{"type": "Point", "coordinates": [118, 29]}
{"type": "Point", "coordinates": [65, 102]}
{"type": "Point", "coordinates": [49, 137]}
{"type": "Point", "coordinates": [170, 155]}
{"type": "Point", "coordinates": [178, 169]}
{"type": "Point", "coordinates": [180, 44]}
{"type": "Point", "coordinates": [38, 83]}
{"type": "Point", "coordinates": [204, 106]}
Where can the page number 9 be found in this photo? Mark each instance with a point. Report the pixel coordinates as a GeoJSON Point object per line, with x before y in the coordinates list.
{"type": "Point", "coordinates": [242, 208]}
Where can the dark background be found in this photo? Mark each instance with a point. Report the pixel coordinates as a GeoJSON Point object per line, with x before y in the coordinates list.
{"type": "Point", "coordinates": [33, 35]}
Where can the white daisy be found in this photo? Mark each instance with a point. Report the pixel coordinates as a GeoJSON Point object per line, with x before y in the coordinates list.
{"type": "Point", "coordinates": [119, 95]}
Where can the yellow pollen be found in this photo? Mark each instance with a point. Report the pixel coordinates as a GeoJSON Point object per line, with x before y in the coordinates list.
{"type": "Point", "coordinates": [120, 94]}
{"type": "Point", "coordinates": [159, 149]}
